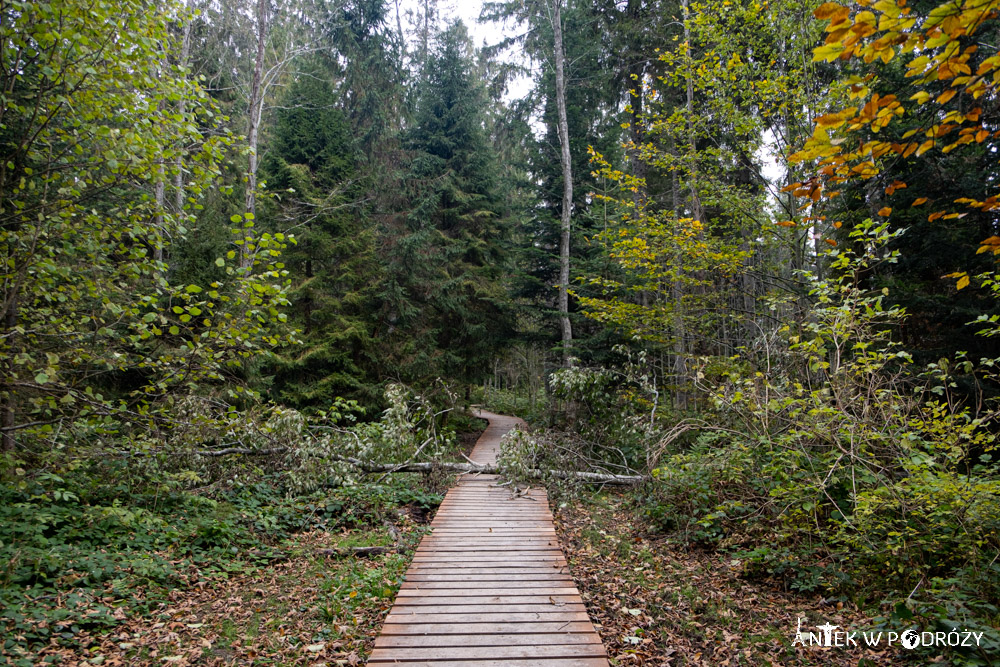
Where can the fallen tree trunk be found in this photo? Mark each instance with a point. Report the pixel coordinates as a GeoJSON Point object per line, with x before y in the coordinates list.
{"type": "Point", "coordinates": [594, 477]}
{"type": "Point", "coordinates": [430, 466]}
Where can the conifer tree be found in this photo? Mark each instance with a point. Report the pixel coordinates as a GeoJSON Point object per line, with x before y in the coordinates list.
{"type": "Point", "coordinates": [312, 172]}
{"type": "Point", "coordinates": [446, 290]}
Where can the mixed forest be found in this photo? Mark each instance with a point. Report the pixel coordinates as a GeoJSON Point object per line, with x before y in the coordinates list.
{"type": "Point", "coordinates": [735, 261]}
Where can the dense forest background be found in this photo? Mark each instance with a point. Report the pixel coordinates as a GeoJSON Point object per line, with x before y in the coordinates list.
{"type": "Point", "coordinates": [745, 251]}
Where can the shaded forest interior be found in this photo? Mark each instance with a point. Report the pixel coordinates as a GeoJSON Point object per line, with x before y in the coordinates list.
{"type": "Point", "coordinates": [260, 258]}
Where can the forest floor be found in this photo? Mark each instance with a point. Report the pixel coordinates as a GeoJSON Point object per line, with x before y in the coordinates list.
{"type": "Point", "coordinates": [655, 602]}
{"type": "Point", "coordinates": [294, 605]}
{"type": "Point", "coordinates": [306, 609]}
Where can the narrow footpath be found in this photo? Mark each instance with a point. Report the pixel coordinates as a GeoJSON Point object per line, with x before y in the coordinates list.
{"type": "Point", "coordinates": [489, 587]}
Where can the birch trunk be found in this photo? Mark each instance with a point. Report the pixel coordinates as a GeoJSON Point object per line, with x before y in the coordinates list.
{"type": "Point", "coordinates": [253, 123]}
{"type": "Point", "coordinates": [567, 203]}
{"type": "Point", "coordinates": [8, 414]}
{"type": "Point", "coordinates": [182, 109]}
{"type": "Point", "coordinates": [696, 209]}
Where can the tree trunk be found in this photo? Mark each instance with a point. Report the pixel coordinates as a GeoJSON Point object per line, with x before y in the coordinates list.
{"type": "Point", "coordinates": [182, 109]}
{"type": "Point", "coordinates": [430, 15]}
{"type": "Point", "coordinates": [159, 198]}
{"type": "Point", "coordinates": [696, 209]}
{"type": "Point", "coordinates": [253, 123]}
{"type": "Point", "coordinates": [400, 36]}
{"type": "Point", "coordinates": [567, 203]}
{"type": "Point", "coordinates": [7, 413]}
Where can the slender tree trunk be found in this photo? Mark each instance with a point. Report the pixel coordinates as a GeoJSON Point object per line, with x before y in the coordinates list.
{"type": "Point", "coordinates": [567, 172]}
{"type": "Point", "coordinates": [430, 15]}
{"type": "Point", "coordinates": [159, 198]}
{"type": "Point", "coordinates": [7, 412]}
{"type": "Point", "coordinates": [696, 209]}
{"type": "Point", "coordinates": [253, 123]}
{"type": "Point", "coordinates": [399, 35]}
{"type": "Point", "coordinates": [182, 109]}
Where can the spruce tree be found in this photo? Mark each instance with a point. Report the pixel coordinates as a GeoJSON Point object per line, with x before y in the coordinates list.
{"type": "Point", "coordinates": [311, 170]}
{"type": "Point", "coordinates": [446, 295]}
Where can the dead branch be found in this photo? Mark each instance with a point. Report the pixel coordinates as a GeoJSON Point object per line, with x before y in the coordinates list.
{"type": "Point", "coordinates": [358, 552]}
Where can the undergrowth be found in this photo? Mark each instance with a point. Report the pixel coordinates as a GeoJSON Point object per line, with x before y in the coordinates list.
{"type": "Point", "coordinates": [76, 559]}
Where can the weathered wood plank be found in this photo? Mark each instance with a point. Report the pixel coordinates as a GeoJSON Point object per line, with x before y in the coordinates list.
{"type": "Point", "coordinates": [490, 615]}
{"type": "Point", "coordinates": [475, 639]}
{"type": "Point", "coordinates": [429, 598]}
{"type": "Point", "coordinates": [452, 581]}
{"type": "Point", "coordinates": [496, 609]}
{"type": "Point", "coordinates": [476, 590]}
{"type": "Point", "coordinates": [447, 573]}
{"type": "Point", "coordinates": [420, 628]}
{"type": "Point", "coordinates": [526, 585]}
{"type": "Point", "coordinates": [532, 662]}
{"type": "Point", "coordinates": [488, 652]}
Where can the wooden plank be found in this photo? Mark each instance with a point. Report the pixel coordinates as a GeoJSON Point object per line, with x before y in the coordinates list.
{"type": "Point", "coordinates": [475, 639]}
{"type": "Point", "coordinates": [446, 554]}
{"type": "Point", "coordinates": [488, 652]}
{"type": "Point", "coordinates": [504, 546]}
{"type": "Point", "coordinates": [451, 573]}
{"type": "Point", "coordinates": [457, 587]}
{"type": "Point", "coordinates": [490, 539]}
{"type": "Point", "coordinates": [417, 627]}
{"type": "Point", "coordinates": [495, 609]}
{"type": "Point", "coordinates": [489, 616]}
{"type": "Point", "coordinates": [480, 591]}
{"type": "Point", "coordinates": [541, 555]}
{"type": "Point", "coordinates": [489, 530]}
{"type": "Point", "coordinates": [465, 567]}
{"type": "Point", "coordinates": [454, 580]}
{"type": "Point", "coordinates": [483, 556]}
{"type": "Point", "coordinates": [532, 662]}
{"type": "Point", "coordinates": [417, 598]}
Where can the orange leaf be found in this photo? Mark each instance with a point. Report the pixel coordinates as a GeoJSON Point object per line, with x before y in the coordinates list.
{"type": "Point", "coordinates": [885, 211]}
{"type": "Point", "coordinates": [785, 223]}
{"type": "Point", "coordinates": [919, 201]}
{"type": "Point", "coordinates": [946, 95]}
{"type": "Point", "coordinates": [934, 216]}
{"type": "Point", "coordinates": [990, 244]}
{"type": "Point", "coordinates": [828, 10]}
{"type": "Point", "coordinates": [831, 242]}
{"type": "Point", "coordinates": [838, 224]}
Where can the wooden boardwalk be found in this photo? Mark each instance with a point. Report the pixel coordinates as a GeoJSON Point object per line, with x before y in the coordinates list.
{"type": "Point", "coordinates": [489, 587]}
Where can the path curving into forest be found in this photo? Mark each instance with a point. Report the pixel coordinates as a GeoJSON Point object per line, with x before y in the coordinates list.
{"type": "Point", "coordinates": [489, 586]}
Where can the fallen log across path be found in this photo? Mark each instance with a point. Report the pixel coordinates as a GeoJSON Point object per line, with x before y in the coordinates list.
{"type": "Point", "coordinates": [487, 467]}
{"type": "Point", "coordinates": [595, 477]}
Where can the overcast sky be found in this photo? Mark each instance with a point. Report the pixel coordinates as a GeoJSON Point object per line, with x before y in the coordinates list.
{"type": "Point", "coordinates": [468, 11]}
{"type": "Point", "coordinates": [485, 33]}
